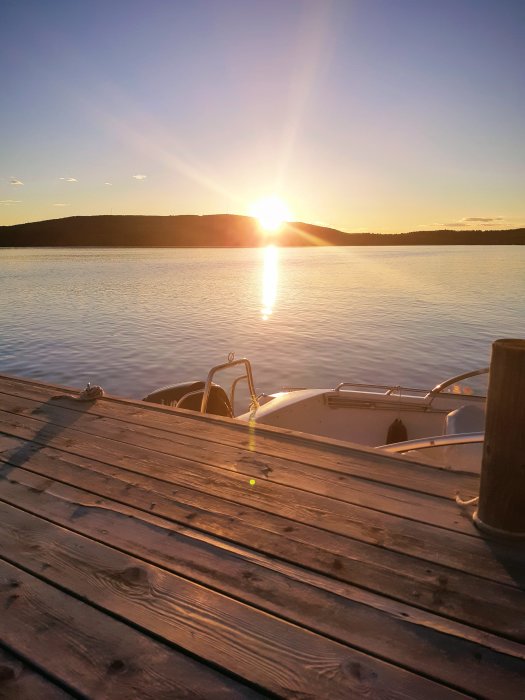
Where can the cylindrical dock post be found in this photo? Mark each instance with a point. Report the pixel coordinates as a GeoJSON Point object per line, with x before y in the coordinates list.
{"type": "Point", "coordinates": [501, 509]}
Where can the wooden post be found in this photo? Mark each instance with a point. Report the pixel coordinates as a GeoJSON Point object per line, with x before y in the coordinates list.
{"type": "Point", "coordinates": [501, 509]}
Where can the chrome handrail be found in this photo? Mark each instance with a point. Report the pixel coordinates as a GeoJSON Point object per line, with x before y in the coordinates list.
{"type": "Point", "coordinates": [389, 389]}
{"type": "Point", "coordinates": [436, 441]}
{"type": "Point", "coordinates": [248, 376]}
{"type": "Point", "coordinates": [232, 390]}
{"type": "Point", "coordinates": [454, 380]}
{"type": "Point", "coordinates": [361, 386]}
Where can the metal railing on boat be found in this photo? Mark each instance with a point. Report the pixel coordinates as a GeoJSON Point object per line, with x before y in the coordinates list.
{"type": "Point", "coordinates": [436, 441]}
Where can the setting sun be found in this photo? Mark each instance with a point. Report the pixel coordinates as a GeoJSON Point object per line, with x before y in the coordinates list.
{"type": "Point", "coordinates": [271, 213]}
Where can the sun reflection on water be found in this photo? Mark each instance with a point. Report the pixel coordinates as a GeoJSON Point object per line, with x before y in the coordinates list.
{"type": "Point", "coordinates": [269, 287]}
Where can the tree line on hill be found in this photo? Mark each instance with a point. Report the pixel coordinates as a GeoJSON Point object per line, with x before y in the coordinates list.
{"type": "Point", "coordinates": [222, 231]}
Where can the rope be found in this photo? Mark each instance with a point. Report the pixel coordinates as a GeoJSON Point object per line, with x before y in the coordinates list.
{"type": "Point", "coordinates": [90, 393]}
{"type": "Point", "coordinates": [467, 502]}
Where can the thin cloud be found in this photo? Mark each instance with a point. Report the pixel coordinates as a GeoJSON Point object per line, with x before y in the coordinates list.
{"type": "Point", "coordinates": [467, 221]}
{"type": "Point", "coordinates": [483, 219]}
{"type": "Point", "coordinates": [60, 204]}
{"type": "Point", "coordinates": [139, 177]}
{"type": "Point", "coordinates": [109, 183]}
{"type": "Point", "coordinates": [15, 181]}
{"type": "Point", "coordinates": [10, 202]}
{"type": "Point", "coordinates": [68, 179]}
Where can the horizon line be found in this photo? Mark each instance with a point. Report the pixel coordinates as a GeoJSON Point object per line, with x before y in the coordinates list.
{"type": "Point", "coordinates": [245, 216]}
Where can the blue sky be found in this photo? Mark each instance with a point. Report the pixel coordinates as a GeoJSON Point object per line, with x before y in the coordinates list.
{"type": "Point", "coordinates": [381, 115]}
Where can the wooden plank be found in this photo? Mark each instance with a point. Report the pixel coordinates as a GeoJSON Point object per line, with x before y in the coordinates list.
{"type": "Point", "coordinates": [95, 655]}
{"type": "Point", "coordinates": [471, 664]}
{"type": "Point", "coordinates": [389, 499]}
{"type": "Point", "coordinates": [305, 449]}
{"type": "Point", "coordinates": [204, 511]}
{"type": "Point", "coordinates": [280, 657]}
{"type": "Point", "coordinates": [18, 681]}
{"type": "Point", "coordinates": [455, 550]}
{"type": "Point", "coordinates": [486, 605]}
{"type": "Point", "coordinates": [201, 519]}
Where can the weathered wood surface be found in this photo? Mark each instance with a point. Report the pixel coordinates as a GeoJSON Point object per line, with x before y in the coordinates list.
{"type": "Point", "coordinates": [18, 681]}
{"type": "Point", "coordinates": [502, 490]}
{"type": "Point", "coordinates": [137, 560]}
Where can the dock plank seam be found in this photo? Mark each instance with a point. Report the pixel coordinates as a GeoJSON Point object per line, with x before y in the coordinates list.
{"type": "Point", "coordinates": [497, 591]}
{"type": "Point", "coordinates": [107, 606]}
{"type": "Point", "coordinates": [348, 450]}
{"type": "Point", "coordinates": [410, 608]}
{"type": "Point", "coordinates": [361, 529]}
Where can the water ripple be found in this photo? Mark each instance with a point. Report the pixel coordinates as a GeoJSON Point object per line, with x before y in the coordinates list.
{"type": "Point", "coordinates": [133, 320]}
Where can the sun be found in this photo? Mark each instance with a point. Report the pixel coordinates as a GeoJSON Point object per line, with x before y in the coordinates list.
{"type": "Point", "coordinates": [271, 213]}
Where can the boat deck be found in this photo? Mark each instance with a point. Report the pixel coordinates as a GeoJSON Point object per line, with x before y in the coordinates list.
{"type": "Point", "coordinates": [147, 552]}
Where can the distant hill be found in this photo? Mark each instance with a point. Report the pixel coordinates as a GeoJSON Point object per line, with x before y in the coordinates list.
{"type": "Point", "coordinates": [222, 231]}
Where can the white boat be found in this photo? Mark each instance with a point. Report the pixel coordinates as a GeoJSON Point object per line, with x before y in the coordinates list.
{"type": "Point", "coordinates": [442, 426]}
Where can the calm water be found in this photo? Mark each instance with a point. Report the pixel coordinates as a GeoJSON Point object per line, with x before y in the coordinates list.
{"type": "Point", "coordinates": [132, 320]}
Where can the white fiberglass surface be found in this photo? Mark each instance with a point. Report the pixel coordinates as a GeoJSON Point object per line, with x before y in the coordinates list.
{"type": "Point", "coordinates": [309, 412]}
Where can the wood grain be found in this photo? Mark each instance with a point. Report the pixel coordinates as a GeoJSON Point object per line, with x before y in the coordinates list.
{"type": "Point", "coordinates": [339, 573]}
{"type": "Point", "coordinates": [18, 681]}
{"type": "Point", "coordinates": [502, 489]}
{"type": "Point", "coordinates": [280, 657]}
{"type": "Point", "coordinates": [426, 542]}
{"type": "Point", "coordinates": [92, 653]}
{"type": "Point", "coordinates": [387, 498]}
{"type": "Point", "coordinates": [325, 453]}
{"type": "Point", "coordinates": [390, 532]}
{"type": "Point", "coordinates": [341, 615]}
{"type": "Point", "coordinates": [484, 604]}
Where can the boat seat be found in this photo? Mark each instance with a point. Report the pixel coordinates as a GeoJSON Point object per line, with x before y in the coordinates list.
{"type": "Point", "coordinates": [188, 395]}
{"type": "Point", "coordinates": [465, 419]}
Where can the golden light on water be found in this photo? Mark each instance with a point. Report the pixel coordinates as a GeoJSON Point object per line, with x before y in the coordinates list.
{"type": "Point", "coordinates": [269, 295]}
{"type": "Point", "coordinates": [271, 213]}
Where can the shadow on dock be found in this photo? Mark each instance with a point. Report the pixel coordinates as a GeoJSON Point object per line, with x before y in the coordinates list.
{"type": "Point", "coordinates": [21, 456]}
{"type": "Point", "coordinates": [509, 553]}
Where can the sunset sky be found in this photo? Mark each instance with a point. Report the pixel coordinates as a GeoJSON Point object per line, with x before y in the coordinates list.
{"type": "Point", "coordinates": [364, 115]}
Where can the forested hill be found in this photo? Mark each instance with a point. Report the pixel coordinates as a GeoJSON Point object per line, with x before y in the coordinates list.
{"type": "Point", "coordinates": [222, 230]}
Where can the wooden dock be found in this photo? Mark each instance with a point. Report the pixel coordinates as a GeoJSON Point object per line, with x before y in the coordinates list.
{"type": "Point", "coordinates": [152, 553]}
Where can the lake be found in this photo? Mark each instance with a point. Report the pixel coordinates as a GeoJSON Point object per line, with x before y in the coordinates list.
{"type": "Point", "coordinates": [136, 319]}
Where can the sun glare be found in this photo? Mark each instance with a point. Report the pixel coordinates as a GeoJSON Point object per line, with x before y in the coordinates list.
{"type": "Point", "coordinates": [271, 213]}
{"type": "Point", "coordinates": [271, 263]}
